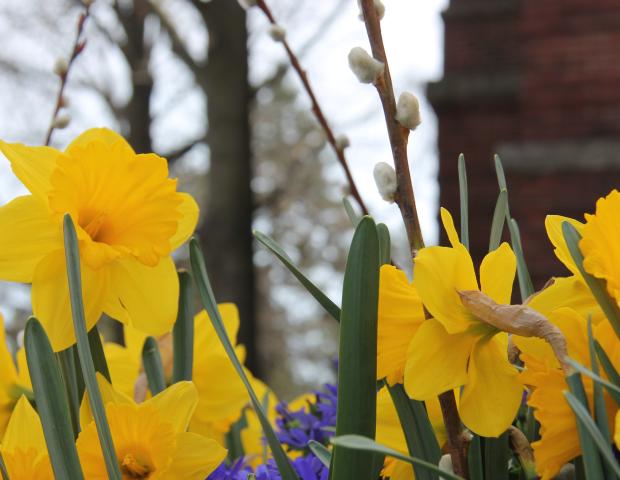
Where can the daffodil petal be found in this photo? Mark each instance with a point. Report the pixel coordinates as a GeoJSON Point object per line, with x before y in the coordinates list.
{"type": "Point", "coordinates": [108, 395]}
{"type": "Point", "coordinates": [29, 233]}
{"type": "Point", "coordinates": [436, 361]}
{"type": "Point", "coordinates": [438, 275]}
{"type": "Point", "coordinates": [32, 165]}
{"type": "Point", "coordinates": [50, 298]}
{"type": "Point", "coordinates": [400, 315]}
{"type": "Point", "coordinates": [24, 429]}
{"type": "Point", "coordinates": [148, 295]}
{"type": "Point", "coordinates": [8, 373]}
{"type": "Point", "coordinates": [187, 224]}
{"type": "Point", "coordinates": [491, 398]}
{"type": "Point", "coordinates": [105, 135]}
{"type": "Point", "coordinates": [497, 273]}
{"type": "Point", "coordinates": [124, 367]}
{"type": "Point", "coordinates": [195, 458]}
{"type": "Point", "coordinates": [553, 224]}
{"type": "Point", "coordinates": [617, 430]}
{"type": "Point", "coordinates": [448, 225]}
{"type": "Point", "coordinates": [177, 404]}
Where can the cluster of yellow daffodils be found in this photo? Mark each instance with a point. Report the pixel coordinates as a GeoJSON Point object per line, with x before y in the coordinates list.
{"type": "Point", "coordinates": [129, 218]}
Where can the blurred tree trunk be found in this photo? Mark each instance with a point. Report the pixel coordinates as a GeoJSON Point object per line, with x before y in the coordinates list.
{"type": "Point", "coordinates": [226, 234]}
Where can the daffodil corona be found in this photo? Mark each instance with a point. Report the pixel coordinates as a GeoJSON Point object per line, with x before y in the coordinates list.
{"type": "Point", "coordinates": [129, 218]}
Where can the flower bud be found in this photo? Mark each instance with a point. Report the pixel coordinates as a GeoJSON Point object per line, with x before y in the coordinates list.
{"type": "Point", "coordinates": [60, 66]}
{"type": "Point", "coordinates": [61, 121]}
{"type": "Point", "coordinates": [277, 32]}
{"type": "Point", "coordinates": [379, 7]}
{"type": "Point", "coordinates": [245, 4]}
{"type": "Point", "coordinates": [342, 142]}
{"type": "Point", "coordinates": [408, 111]}
{"type": "Point", "coordinates": [385, 178]}
{"type": "Point", "coordinates": [365, 68]}
{"type": "Point", "coordinates": [88, 3]}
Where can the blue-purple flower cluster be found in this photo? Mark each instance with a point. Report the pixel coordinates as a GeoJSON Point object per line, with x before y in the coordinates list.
{"type": "Point", "coordinates": [314, 421]}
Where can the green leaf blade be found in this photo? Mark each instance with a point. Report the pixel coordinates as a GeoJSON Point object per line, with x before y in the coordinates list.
{"type": "Point", "coordinates": [183, 332]}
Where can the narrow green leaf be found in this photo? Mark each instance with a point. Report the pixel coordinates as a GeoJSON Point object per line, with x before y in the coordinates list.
{"type": "Point", "coordinates": [597, 286]}
{"type": "Point", "coordinates": [79, 376]}
{"type": "Point", "coordinates": [499, 170]}
{"type": "Point", "coordinates": [496, 456]}
{"type": "Point", "coordinates": [363, 444]}
{"type": "Point", "coordinates": [609, 368]}
{"type": "Point", "coordinates": [614, 390]}
{"type": "Point", "coordinates": [51, 402]}
{"type": "Point", "coordinates": [464, 200]}
{"type": "Point", "coordinates": [600, 411]}
{"type": "Point", "coordinates": [203, 284]}
{"type": "Point", "coordinates": [586, 425]}
{"type": "Point", "coordinates": [183, 332]}
{"type": "Point", "coordinates": [385, 246]}
{"type": "Point", "coordinates": [589, 453]}
{"type": "Point", "coordinates": [526, 287]}
{"type": "Point", "coordinates": [3, 472]}
{"type": "Point", "coordinates": [234, 444]}
{"type": "Point", "coordinates": [84, 351]}
{"type": "Point", "coordinates": [499, 217]}
{"type": "Point", "coordinates": [474, 459]}
{"type": "Point", "coordinates": [357, 365]}
{"type": "Point", "coordinates": [418, 431]}
{"type": "Point", "coordinates": [329, 306]}
{"type": "Point", "coordinates": [321, 452]}
{"type": "Point", "coordinates": [153, 366]}
{"type": "Point", "coordinates": [351, 212]}
{"type": "Point", "coordinates": [97, 353]}
{"type": "Point", "coordinates": [66, 362]}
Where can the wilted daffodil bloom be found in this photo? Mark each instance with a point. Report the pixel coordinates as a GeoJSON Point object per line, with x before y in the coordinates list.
{"type": "Point", "coordinates": [129, 218]}
{"type": "Point", "coordinates": [559, 439]}
{"type": "Point", "coordinates": [13, 381]}
{"type": "Point", "coordinates": [23, 447]}
{"type": "Point", "coordinates": [457, 349]}
{"type": "Point", "coordinates": [150, 438]}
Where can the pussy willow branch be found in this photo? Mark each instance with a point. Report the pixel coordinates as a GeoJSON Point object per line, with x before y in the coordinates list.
{"type": "Point", "coordinates": [457, 442]}
{"type": "Point", "coordinates": [78, 46]}
{"type": "Point", "coordinates": [316, 109]}
{"type": "Point", "coordinates": [397, 133]}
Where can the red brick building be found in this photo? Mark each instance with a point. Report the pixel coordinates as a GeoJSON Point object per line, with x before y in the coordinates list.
{"type": "Point", "coordinates": [537, 82]}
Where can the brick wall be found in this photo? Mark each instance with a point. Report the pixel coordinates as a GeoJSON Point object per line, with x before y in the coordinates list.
{"type": "Point", "coordinates": [539, 83]}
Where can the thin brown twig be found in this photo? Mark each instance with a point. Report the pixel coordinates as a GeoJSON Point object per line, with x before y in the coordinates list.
{"type": "Point", "coordinates": [78, 46]}
{"type": "Point", "coordinates": [316, 109]}
{"type": "Point", "coordinates": [405, 199]}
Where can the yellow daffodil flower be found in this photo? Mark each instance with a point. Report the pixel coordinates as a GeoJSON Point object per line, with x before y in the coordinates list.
{"type": "Point", "coordinates": [456, 349]}
{"type": "Point", "coordinates": [255, 448]}
{"type": "Point", "coordinates": [23, 446]}
{"type": "Point", "coordinates": [150, 438]}
{"type": "Point", "coordinates": [129, 218]}
{"type": "Point", "coordinates": [559, 442]}
{"type": "Point", "coordinates": [124, 367]}
{"type": "Point", "coordinates": [400, 315]}
{"type": "Point", "coordinates": [600, 243]}
{"type": "Point", "coordinates": [13, 381]}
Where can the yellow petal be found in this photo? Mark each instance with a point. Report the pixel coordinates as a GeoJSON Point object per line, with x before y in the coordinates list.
{"type": "Point", "coordinates": [491, 397]}
{"type": "Point", "coordinates": [29, 233]}
{"type": "Point", "coordinates": [497, 273]}
{"type": "Point", "coordinates": [389, 429]}
{"type": "Point", "coordinates": [176, 404]}
{"type": "Point", "coordinates": [108, 395]}
{"type": "Point", "coordinates": [32, 165]}
{"type": "Point", "coordinates": [448, 225]}
{"type": "Point", "coordinates": [617, 432]}
{"type": "Point", "coordinates": [146, 296]}
{"type": "Point", "coordinates": [400, 315]}
{"type": "Point", "coordinates": [187, 224]}
{"type": "Point", "coordinates": [24, 429]}
{"type": "Point", "coordinates": [195, 457]}
{"type": "Point", "coordinates": [124, 367]}
{"type": "Point", "coordinates": [105, 135]}
{"type": "Point", "coordinates": [438, 274]}
{"type": "Point", "coordinates": [50, 298]}
{"type": "Point", "coordinates": [553, 224]}
{"type": "Point", "coordinates": [436, 361]}
{"type": "Point", "coordinates": [8, 373]}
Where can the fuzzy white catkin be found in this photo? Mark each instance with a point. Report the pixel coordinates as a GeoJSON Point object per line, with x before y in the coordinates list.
{"type": "Point", "coordinates": [365, 68]}
{"type": "Point", "coordinates": [245, 4]}
{"type": "Point", "coordinates": [342, 142]}
{"type": "Point", "coordinates": [408, 111]}
{"type": "Point", "coordinates": [445, 464]}
{"type": "Point", "coordinates": [385, 178]}
{"type": "Point", "coordinates": [277, 33]}
{"type": "Point", "coordinates": [379, 7]}
{"type": "Point", "coordinates": [61, 121]}
{"type": "Point", "coordinates": [60, 66]}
